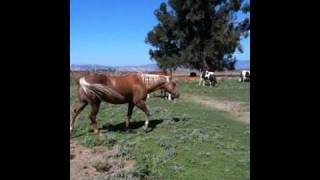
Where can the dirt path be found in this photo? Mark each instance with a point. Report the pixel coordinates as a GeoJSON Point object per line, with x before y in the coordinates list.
{"type": "Point", "coordinates": [98, 161]}
{"type": "Point", "coordinates": [236, 109]}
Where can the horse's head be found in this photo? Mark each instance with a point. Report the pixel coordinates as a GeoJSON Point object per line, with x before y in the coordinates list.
{"type": "Point", "coordinates": [171, 87]}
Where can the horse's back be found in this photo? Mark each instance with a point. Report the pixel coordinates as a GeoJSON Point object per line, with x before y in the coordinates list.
{"type": "Point", "coordinates": [96, 79]}
{"type": "Point", "coordinates": [128, 84]}
{"type": "Point", "coordinates": [127, 79]}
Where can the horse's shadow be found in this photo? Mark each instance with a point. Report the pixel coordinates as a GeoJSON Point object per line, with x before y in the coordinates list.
{"type": "Point", "coordinates": [135, 125]}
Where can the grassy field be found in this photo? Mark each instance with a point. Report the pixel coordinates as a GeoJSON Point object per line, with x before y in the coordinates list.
{"type": "Point", "coordinates": [224, 90]}
{"type": "Point", "coordinates": [187, 141]}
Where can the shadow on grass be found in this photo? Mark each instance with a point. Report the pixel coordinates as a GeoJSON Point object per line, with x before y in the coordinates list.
{"type": "Point", "coordinates": [133, 126]}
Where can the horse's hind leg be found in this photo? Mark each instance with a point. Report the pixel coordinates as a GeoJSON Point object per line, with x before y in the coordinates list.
{"type": "Point", "coordinates": [141, 105]}
{"type": "Point", "coordinates": [130, 108]}
{"type": "Point", "coordinates": [75, 112]}
{"type": "Point", "coordinates": [169, 97]}
{"type": "Point", "coordinates": [92, 116]}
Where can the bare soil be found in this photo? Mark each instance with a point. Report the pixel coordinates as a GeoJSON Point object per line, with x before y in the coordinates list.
{"type": "Point", "coordinates": [236, 109]}
{"type": "Point", "coordinates": [85, 161]}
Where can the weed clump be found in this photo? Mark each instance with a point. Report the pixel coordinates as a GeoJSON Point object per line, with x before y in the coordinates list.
{"type": "Point", "coordinates": [94, 140]}
{"type": "Point", "coordinates": [169, 150]}
{"type": "Point", "coordinates": [176, 168]}
{"type": "Point", "coordinates": [126, 150]}
{"type": "Point", "coordinates": [198, 135]}
{"type": "Point", "coordinates": [138, 173]}
{"type": "Point", "coordinates": [167, 155]}
{"type": "Point", "coordinates": [165, 143]}
{"type": "Point", "coordinates": [207, 154]}
{"type": "Point", "coordinates": [102, 166]}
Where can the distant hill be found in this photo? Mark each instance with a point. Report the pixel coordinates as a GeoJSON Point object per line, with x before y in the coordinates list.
{"type": "Point", "coordinates": [240, 65]}
{"type": "Point", "coordinates": [144, 68]}
{"type": "Point", "coordinates": [90, 67]}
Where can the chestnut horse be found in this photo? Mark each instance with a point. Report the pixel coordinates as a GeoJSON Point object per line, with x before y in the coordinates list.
{"type": "Point", "coordinates": [96, 88]}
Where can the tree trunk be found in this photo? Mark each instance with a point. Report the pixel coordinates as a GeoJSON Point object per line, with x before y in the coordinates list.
{"type": "Point", "coordinates": [164, 71]}
{"type": "Point", "coordinates": [211, 64]}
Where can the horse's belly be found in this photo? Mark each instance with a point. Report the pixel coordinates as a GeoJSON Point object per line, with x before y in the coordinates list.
{"type": "Point", "coordinates": [116, 101]}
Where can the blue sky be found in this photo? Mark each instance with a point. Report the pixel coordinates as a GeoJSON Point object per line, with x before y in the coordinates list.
{"type": "Point", "coordinates": [110, 32]}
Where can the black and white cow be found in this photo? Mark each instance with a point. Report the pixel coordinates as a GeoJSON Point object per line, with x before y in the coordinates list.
{"type": "Point", "coordinates": [244, 76]}
{"type": "Point", "coordinates": [207, 76]}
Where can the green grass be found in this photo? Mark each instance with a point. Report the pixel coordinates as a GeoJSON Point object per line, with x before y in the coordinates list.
{"type": "Point", "coordinates": [225, 90]}
{"type": "Point", "coordinates": [187, 142]}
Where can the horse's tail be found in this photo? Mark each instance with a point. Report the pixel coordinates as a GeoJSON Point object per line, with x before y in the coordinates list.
{"type": "Point", "coordinates": [98, 90]}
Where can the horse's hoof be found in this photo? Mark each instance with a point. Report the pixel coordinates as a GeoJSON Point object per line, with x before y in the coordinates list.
{"type": "Point", "coordinates": [96, 131]}
{"type": "Point", "coordinates": [130, 131]}
{"type": "Point", "coordinates": [146, 129]}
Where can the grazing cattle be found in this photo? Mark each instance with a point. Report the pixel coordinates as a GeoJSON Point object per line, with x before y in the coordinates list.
{"type": "Point", "coordinates": [150, 79]}
{"type": "Point", "coordinates": [96, 88]}
{"type": "Point", "coordinates": [244, 76]}
{"type": "Point", "coordinates": [207, 76]}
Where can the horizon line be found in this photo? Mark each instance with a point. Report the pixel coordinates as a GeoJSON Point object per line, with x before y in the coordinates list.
{"type": "Point", "coordinates": [131, 65]}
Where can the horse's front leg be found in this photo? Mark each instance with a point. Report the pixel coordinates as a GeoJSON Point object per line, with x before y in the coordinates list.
{"type": "Point", "coordinates": [141, 105]}
{"type": "Point", "coordinates": [130, 109]}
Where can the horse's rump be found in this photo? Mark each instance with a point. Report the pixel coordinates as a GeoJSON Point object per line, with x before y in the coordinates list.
{"type": "Point", "coordinates": [101, 91]}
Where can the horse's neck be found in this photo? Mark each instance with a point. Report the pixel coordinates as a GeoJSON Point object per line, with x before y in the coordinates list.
{"type": "Point", "coordinates": [155, 86]}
